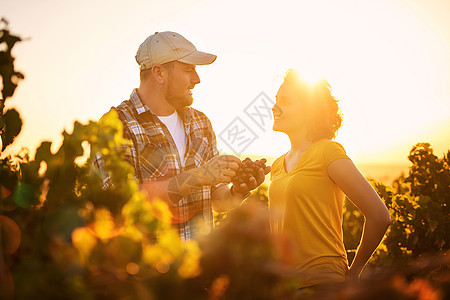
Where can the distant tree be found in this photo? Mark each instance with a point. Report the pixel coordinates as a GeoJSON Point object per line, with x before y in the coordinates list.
{"type": "Point", "coordinates": [419, 208]}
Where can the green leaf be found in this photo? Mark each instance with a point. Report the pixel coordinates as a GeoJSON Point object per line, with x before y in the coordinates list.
{"type": "Point", "coordinates": [63, 221]}
{"type": "Point", "coordinates": [13, 125]}
{"type": "Point", "coordinates": [2, 119]}
{"type": "Point", "coordinates": [43, 153]}
{"type": "Point", "coordinates": [26, 195]}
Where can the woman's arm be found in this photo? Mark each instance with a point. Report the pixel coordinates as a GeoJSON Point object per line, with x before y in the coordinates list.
{"type": "Point", "coordinates": [345, 174]}
{"type": "Point", "coordinates": [224, 198]}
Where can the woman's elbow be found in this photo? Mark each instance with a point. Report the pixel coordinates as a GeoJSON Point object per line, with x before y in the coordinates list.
{"type": "Point", "coordinates": [385, 220]}
{"type": "Point", "coordinates": [380, 220]}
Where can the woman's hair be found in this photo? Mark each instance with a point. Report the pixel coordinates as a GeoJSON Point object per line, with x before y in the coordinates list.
{"type": "Point", "coordinates": [322, 113]}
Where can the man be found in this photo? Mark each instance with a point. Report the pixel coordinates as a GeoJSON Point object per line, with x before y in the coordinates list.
{"type": "Point", "coordinates": [174, 150]}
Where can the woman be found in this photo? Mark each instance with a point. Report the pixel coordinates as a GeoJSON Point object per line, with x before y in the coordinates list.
{"type": "Point", "coordinates": [310, 181]}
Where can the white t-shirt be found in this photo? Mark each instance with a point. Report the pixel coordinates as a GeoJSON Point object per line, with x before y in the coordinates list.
{"type": "Point", "coordinates": [176, 129]}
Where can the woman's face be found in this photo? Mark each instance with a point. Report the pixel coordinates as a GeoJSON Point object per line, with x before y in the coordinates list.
{"type": "Point", "coordinates": [288, 113]}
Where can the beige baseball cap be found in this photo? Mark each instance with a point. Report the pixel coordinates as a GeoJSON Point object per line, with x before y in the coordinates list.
{"type": "Point", "coordinates": [163, 47]}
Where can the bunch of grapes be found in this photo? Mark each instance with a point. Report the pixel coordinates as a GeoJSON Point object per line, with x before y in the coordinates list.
{"type": "Point", "coordinates": [248, 169]}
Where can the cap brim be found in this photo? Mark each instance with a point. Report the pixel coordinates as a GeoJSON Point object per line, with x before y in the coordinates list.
{"type": "Point", "coordinates": [198, 58]}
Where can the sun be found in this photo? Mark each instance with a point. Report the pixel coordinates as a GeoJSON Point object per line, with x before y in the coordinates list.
{"type": "Point", "coordinates": [311, 77]}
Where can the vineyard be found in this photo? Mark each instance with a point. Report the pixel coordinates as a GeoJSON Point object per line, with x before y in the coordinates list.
{"type": "Point", "coordinates": [63, 237]}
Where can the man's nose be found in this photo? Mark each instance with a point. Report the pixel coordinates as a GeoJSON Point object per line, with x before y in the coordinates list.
{"type": "Point", "coordinates": [196, 78]}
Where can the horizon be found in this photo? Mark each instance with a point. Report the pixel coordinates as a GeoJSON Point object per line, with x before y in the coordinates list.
{"type": "Point", "coordinates": [384, 173]}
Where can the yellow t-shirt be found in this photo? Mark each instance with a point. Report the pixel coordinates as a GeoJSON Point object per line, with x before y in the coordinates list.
{"type": "Point", "coordinates": [306, 205]}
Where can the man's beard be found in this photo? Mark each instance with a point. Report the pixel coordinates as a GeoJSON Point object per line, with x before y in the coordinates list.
{"type": "Point", "coordinates": [178, 101]}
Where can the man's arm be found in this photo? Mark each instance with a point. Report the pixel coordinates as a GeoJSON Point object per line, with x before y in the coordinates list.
{"type": "Point", "coordinates": [220, 169]}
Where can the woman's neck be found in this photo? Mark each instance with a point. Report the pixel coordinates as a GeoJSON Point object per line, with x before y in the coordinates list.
{"type": "Point", "coordinates": [299, 143]}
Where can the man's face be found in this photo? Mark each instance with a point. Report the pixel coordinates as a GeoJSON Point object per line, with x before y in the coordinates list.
{"type": "Point", "coordinates": [181, 80]}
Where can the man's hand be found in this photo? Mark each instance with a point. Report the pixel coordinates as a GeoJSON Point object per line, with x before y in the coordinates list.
{"type": "Point", "coordinates": [219, 169]}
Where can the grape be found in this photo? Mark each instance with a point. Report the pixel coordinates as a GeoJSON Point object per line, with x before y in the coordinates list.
{"type": "Point", "coordinates": [248, 169]}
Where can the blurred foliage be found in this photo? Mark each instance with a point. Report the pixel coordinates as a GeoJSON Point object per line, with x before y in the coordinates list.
{"type": "Point", "coordinates": [405, 283]}
{"type": "Point", "coordinates": [10, 122]}
{"type": "Point", "coordinates": [352, 227]}
{"type": "Point", "coordinates": [64, 237]}
{"type": "Point", "coordinates": [242, 260]}
{"type": "Point", "coordinates": [82, 241]}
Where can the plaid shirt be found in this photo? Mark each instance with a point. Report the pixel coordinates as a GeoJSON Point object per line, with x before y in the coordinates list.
{"type": "Point", "coordinates": [154, 156]}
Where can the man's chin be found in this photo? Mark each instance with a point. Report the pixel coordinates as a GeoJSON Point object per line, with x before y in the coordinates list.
{"type": "Point", "coordinates": [182, 102]}
{"type": "Point", "coordinates": [189, 101]}
{"type": "Point", "coordinates": [186, 100]}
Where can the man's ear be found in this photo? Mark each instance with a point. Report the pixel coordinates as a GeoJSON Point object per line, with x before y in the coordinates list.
{"type": "Point", "coordinates": [160, 74]}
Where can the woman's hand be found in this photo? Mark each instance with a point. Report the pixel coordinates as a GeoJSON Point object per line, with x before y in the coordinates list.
{"type": "Point", "coordinates": [253, 183]}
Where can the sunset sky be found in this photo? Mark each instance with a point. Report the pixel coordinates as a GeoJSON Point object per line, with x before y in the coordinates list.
{"type": "Point", "coordinates": [387, 61]}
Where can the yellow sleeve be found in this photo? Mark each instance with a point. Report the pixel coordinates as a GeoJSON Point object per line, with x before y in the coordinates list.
{"type": "Point", "coordinates": [333, 151]}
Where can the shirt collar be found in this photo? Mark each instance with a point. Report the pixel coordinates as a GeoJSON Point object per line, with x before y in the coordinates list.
{"type": "Point", "coordinates": [185, 113]}
{"type": "Point", "coordinates": [138, 104]}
